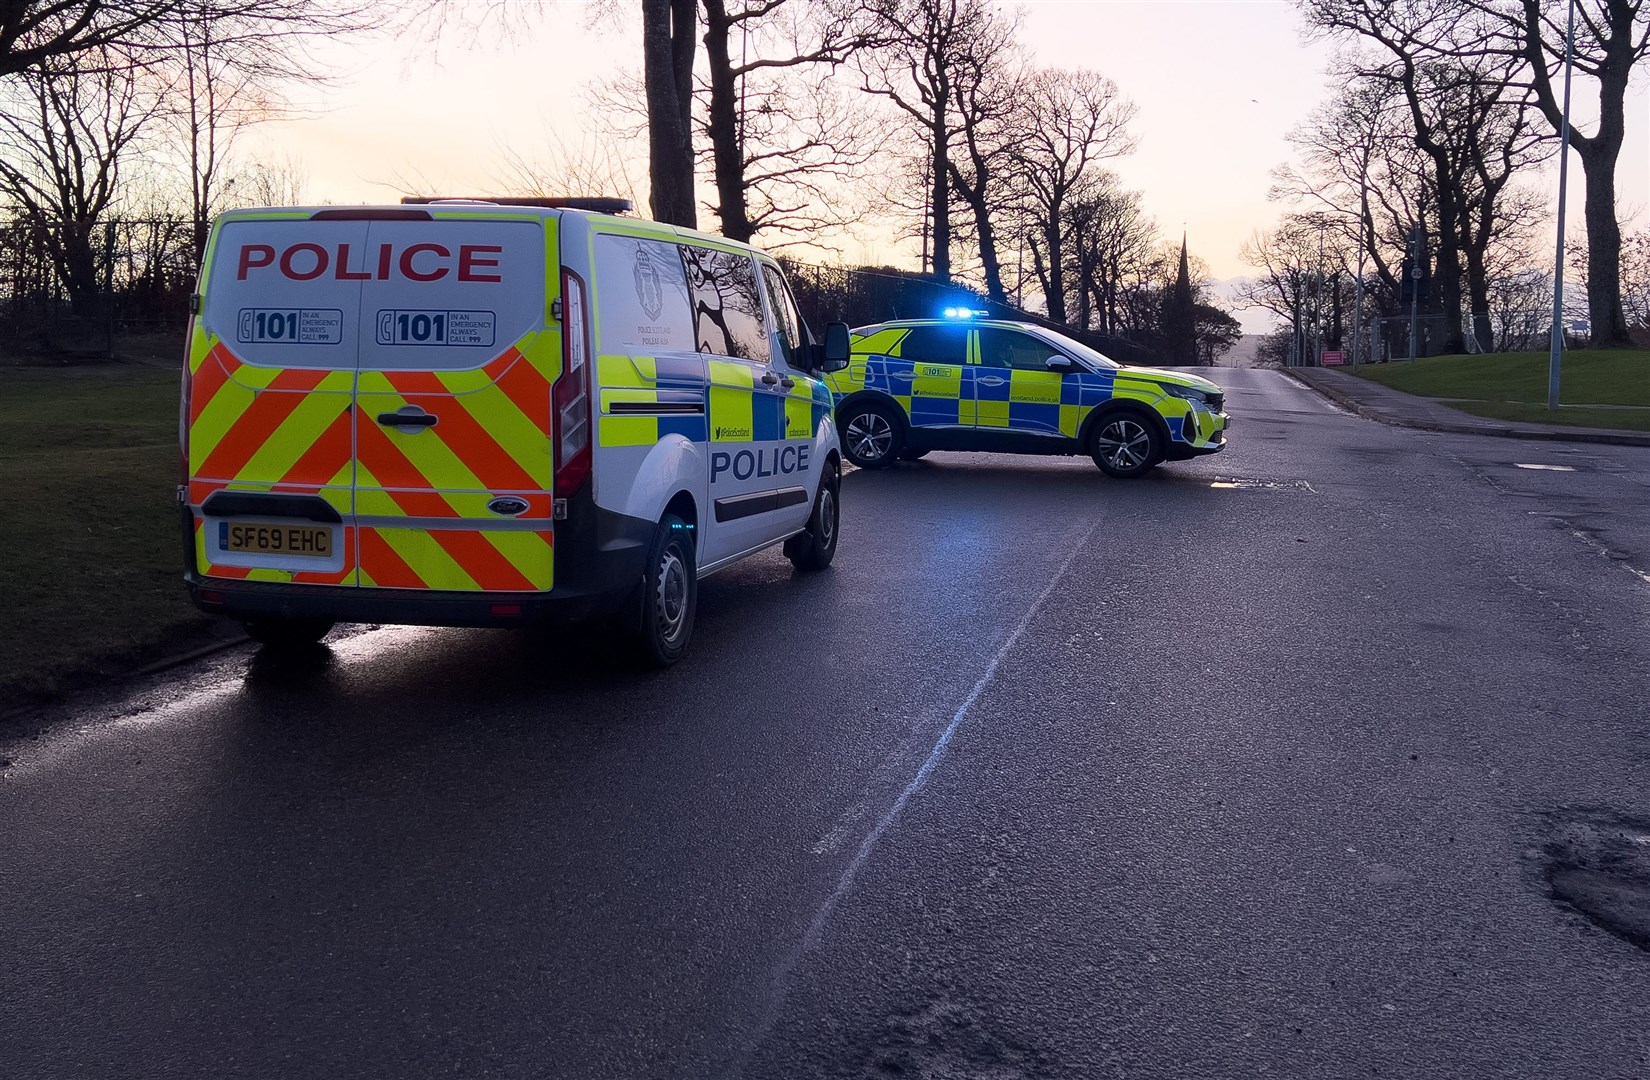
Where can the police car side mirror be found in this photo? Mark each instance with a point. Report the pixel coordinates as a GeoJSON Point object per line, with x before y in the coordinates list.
{"type": "Point", "coordinates": [1062, 364]}
{"type": "Point", "coordinates": [834, 356]}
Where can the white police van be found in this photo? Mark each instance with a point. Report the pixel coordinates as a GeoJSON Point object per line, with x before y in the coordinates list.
{"type": "Point", "coordinates": [488, 412]}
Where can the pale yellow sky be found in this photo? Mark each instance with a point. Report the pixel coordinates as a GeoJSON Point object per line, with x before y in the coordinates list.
{"type": "Point", "coordinates": [1218, 82]}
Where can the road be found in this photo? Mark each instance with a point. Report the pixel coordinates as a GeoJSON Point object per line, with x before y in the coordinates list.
{"type": "Point", "coordinates": [1261, 766]}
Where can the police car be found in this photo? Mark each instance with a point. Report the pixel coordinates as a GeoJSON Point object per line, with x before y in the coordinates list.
{"type": "Point", "coordinates": [965, 383]}
{"type": "Point", "coordinates": [480, 413]}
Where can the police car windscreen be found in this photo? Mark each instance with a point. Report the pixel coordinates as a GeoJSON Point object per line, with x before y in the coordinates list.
{"type": "Point", "coordinates": [384, 295]}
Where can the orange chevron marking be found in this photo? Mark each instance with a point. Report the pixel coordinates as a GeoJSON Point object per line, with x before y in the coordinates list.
{"type": "Point", "coordinates": [489, 569]}
{"type": "Point", "coordinates": [525, 385]}
{"type": "Point", "coordinates": [481, 452]}
{"type": "Point", "coordinates": [212, 374]}
{"type": "Point", "coordinates": [383, 460]}
{"type": "Point", "coordinates": [261, 419]}
{"type": "Point", "coordinates": [330, 452]}
{"type": "Point", "coordinates": [387, 568]}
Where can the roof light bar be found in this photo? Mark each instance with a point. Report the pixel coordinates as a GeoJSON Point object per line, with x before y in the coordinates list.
{"type": "Point", "coordinates": [600, 204]}
{"type": "Point", "coordinates": [965, 313]}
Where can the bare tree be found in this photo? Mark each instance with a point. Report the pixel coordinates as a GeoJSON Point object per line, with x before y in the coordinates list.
{"type": "Point", "coordinates": [925, 45]}
{"type": "Point", "coordinates": [1114, 243]}
{"type": "Point", "coordinates": [777, 134]}
{"type": "Point", "coordinates": [64, 148]}
{"type": "Point", "coordinates": [1294, 260]}
{"type": "Point", "coordinates": [986, 92]}
{"type": "Point", "coordinates": [1612, 37]}
{"type": "Point", "coordinates": [669, 30]}
{"type": "Point", "coordinates": [1073, 121]}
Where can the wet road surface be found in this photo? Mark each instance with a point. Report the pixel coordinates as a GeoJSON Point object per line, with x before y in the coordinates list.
{"type": "Point", "coordinates": [1258, 767]}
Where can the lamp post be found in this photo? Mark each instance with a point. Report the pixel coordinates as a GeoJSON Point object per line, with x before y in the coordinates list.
{"type": "Point", "coordinates": [1558, 258]}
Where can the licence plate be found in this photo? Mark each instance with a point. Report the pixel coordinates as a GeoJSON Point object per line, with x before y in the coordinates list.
{"type": "Point", "coordinates": [313, 540]}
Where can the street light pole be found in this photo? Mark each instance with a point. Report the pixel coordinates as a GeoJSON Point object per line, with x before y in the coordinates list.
{"type": "Point", "coordinates": [1558, 258]}
{"type": "Point", "coordinates": [1358, 289]}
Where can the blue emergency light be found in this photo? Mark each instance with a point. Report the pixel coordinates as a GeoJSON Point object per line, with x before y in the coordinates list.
{"type": "Point", "coordinates": [963, 313]}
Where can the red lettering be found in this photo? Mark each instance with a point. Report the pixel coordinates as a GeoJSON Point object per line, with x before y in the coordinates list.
{"type": "Point", "coordinates": [411, 274]}
{"type": "Point", "coordinates": [319, 268]}
{"type": "Point", "coordinates": [469, 261]}
{"type": "Point", "coordinates": [344, 273]}
{"type": "Point", "coordinates": [384, 254]}
{"type": "Point", "coordinates": [265, 253]}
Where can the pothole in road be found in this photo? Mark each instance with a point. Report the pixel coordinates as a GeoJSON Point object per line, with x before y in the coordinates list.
{"type": "Point", "coordinates": [1597, 862]}
{"type": "Point", "coordinates": [948, 1041]}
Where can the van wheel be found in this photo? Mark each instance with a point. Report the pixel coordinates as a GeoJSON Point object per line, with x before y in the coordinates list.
{"type": "Point", "coordinates": [278, 633]}
{"type": "Point", "coordinates": [814, 548]}
{"type": "Point", "coordinates": [1125, 445]}
{"type": "Point", "coordinates": [670, 593]}
{"type": "Point", "coordinates": [871, 435]}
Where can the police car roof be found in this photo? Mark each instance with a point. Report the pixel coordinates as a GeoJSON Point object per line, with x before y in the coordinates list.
{"type": "Point", "coordinates": [897, 324]}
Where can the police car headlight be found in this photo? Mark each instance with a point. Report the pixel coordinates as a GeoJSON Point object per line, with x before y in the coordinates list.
{"type": "Point", "coordinates": [1189, 393]}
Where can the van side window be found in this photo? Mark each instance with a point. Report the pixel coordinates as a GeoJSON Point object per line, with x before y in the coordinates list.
{"type": "Point", "coordinates": [786, 320]}
{"type": "Point", "coordinates": [643, 302]}
{"type": "Point", "coordinates": [727, 309]}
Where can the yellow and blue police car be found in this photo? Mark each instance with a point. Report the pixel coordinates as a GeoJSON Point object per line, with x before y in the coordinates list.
{"type": "Point", "coordinates": [968, 383]}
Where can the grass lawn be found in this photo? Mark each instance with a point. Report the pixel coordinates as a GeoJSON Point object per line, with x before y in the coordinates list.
{"type": "Point", "coordinates": [1513, 386]}
{"type": "Point", "coordinates": [1521, 412]}
{"type": "Point", "coordinates": [92, 560]}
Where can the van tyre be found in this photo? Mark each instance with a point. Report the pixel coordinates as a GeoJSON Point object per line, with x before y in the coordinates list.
{"type": "Point", "coordinates": [872, 436]}
{"type": "Point", "coordinates": [1126, 445]}
{"type": "Point", "coordinates": [275, 632]}
{"type": "Point", "coordinates": [670, 593]}
{"type": "Point", "coordinates": [815, 547]}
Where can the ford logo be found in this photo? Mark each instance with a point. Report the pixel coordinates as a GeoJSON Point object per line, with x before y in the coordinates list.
{"type": "Point", "coordinates": [508, 505]}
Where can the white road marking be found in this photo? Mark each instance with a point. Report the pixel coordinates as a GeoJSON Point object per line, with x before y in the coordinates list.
{"type": "Point", "coordinates": [1546, 468]}
{"type": "Point", "coordinates": [779, 986]}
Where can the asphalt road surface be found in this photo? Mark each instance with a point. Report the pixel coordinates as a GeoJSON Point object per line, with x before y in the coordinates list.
{"type": "Point", "coordinates": [1282, 763]}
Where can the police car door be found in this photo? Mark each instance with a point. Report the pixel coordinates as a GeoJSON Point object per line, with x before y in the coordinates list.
{"type": "Point", "coordinates": [1014, 389]}
{"type": "Point", "coordinates": [933, 381]}
{"type": "Point", "coordinates": [753, 478]}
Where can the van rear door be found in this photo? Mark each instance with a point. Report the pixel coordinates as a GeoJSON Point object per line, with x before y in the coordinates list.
{"type": "Point", "coordinates": [452, 425]}
{"type": "Point", "coordinates": [385, 377]}
{"type": "Point", "coordinates": [268, 420]}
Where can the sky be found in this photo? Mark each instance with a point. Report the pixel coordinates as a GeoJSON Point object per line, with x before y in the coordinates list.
{"type": "Point", "coordinates": [1219, 84]}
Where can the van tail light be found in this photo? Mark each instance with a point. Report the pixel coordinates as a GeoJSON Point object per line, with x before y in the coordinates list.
{"type": "Point", "coordinates": [570, 396]}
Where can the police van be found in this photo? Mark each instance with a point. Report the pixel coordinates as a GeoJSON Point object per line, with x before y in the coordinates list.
{"type": "Point", "coordinates": [489, 412]}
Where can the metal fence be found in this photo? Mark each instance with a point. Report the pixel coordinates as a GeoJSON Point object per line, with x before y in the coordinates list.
{"type": "Point", "coordinates": [73, 290]}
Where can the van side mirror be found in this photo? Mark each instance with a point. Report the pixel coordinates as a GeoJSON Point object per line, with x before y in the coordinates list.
{"type": "Point", "coordinates": [835, 355]}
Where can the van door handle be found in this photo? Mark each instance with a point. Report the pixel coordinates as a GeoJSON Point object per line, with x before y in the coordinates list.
{"type": "Point", "coordinates": [402, 419]}
{"type": "Point", "coordinates": [787, 382]}
{"type": "Point", "coordinates": [770, 378]}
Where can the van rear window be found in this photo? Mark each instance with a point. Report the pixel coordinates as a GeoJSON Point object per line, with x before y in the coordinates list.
{"type": "Point", "coordinates": [384, 295]}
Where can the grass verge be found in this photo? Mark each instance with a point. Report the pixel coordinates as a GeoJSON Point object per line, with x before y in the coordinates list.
{"type": "Point", "coordinates": [1513, 386]}
{"type": "Point", "coordinates": [88, 465]}
{"type": "Point", "coordinates": [1575, 416]}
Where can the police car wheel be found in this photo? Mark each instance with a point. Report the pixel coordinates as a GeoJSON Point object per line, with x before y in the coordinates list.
{"type": "Point", "coordinates": [815, 548]}
{"type": "Point", "coordinates": [871, 436]}
{"type": "Point", "coordinates": [279, 633]}
{"type": "Point", "coordinates": [1126, 446]}
{"type": "Point", "coordinates": [670, 593]}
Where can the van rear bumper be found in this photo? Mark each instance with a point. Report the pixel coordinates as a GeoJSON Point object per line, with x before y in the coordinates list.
{"type": "Point", "coordinates": [600, 558]}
